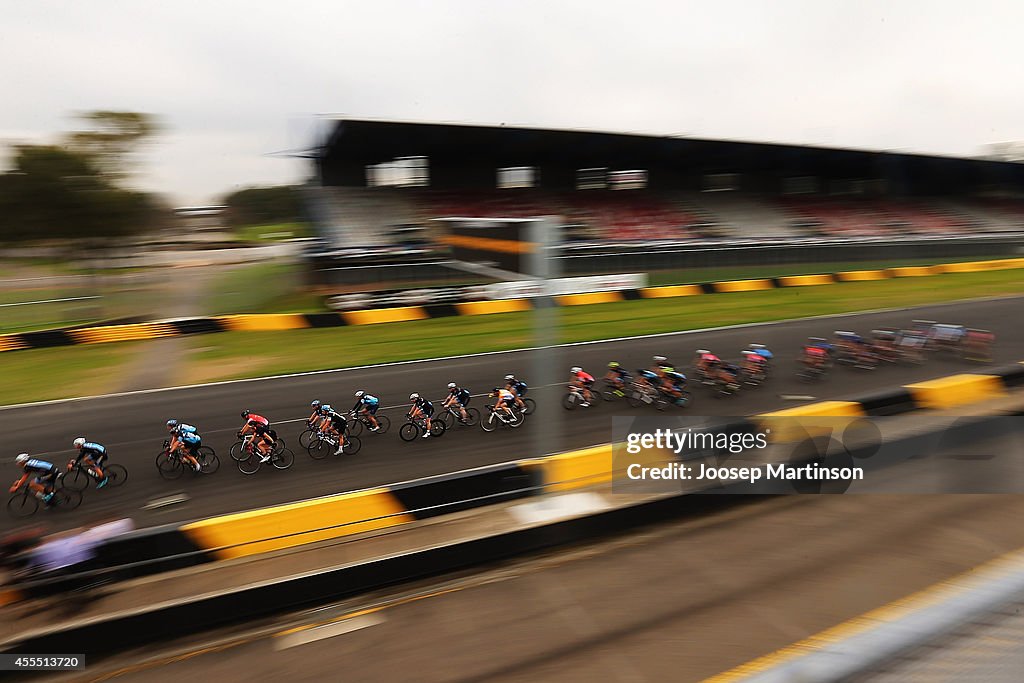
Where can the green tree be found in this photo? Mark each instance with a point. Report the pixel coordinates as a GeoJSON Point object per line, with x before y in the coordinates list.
{"type": "Point", "coordinates": [260, 205]}
{"type": "Point", "coordinates": [112, 138]}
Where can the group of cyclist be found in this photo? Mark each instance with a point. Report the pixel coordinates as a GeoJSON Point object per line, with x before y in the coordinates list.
{"type": "Point", "coordinates": [895, 345]}
{"type": "Point", "coordinates": [41, 475]}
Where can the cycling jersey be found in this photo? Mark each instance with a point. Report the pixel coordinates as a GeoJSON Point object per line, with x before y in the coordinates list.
{"type": "Point", "coordinates": [815, 352]}
{"type": "Point", "coordinates": [519, 386]}
{"type": "Point", "coordinates": [254, 420]}
{"type": "Point", "coordinates": [40, 467]}
{"type": "Point", "coordinates": [368, 403]}
{"type": "Point", "coordinates": [425, 406]}
{"type": "Point", "coordinates": [339, 421]}
{"type": "Point", "coordinates": [620, 372]}
{"type": "Point", "coordinates": [91, 450]}
{"type": "Point", "coordinates": [584, 377]}
{"type": "Point", "coordinates": [676, 377]}
{"type": "Point", "coordinates": [764, 353]}
{"type": "Point", "coordinates": [183, 429]}
{"type": "Point", "coordinates": [506, 395]}
{"type": "Point", "coordinates": [648, 375]}
{"type": "Point", "coordinates": [461, 395]}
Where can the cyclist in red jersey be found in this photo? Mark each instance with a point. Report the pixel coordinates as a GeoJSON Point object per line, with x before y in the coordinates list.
{"type": "Point", "coordinates": [260, 427]}
{"type": "Point", "coordinates": [582, 381]}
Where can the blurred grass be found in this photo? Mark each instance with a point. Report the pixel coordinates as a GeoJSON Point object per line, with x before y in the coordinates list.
{"type": "Point", "coordinates": [236, 355]}
{"type": "Point", "coordinates": [44, 374]}
{"type": "Point", "coordinates": [259, 288]}
{"type": "Point", "coordinates": [274, 232]}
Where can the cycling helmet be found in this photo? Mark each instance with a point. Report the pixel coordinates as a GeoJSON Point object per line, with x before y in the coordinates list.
{"type": "Point", "coordinates": [575, 369]}
{"type": "Point", "coordinates": [325, 408]}
{"type": "Point", "coordinates": [172, 423]}
{"type": "Point", "coordinates": [756, 346]}
{"type": "Point", "coordinates": [509, 378]}
{"type": "Point", "coordinates": [701, 352]}
{"type": "Point", "coordinates": [359, 394]}
{"type": "Point", "coordinates": [659, 359]}
{"type": "Point", "coordinates": [413, 397]}
{"type": "Point", "coordinates": [314, 404]}
{"type": "Point", "coordinates": [245, 413]}
{"type": "Point", "coordinates": [451, 385]}
{"type": "Point", "coordinates": [79, 442]}
{"type": "Point", "coordinates": [613, 364]}
{"type": "Point", "coordinates": [22, 458]}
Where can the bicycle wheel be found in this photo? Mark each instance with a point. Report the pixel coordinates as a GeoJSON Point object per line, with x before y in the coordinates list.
{"type": "Point", "coordinates": [409, 431]}
{"type": "Point", "coordinates": [352, 445]}
{"type": "Point", "coordinates": [570, 401]}
{"type": "Point", "coordinates": [168, 466]}
{"type": "Point", "coordinates": [66, 499]}
{"type": "Point", "coordinates": [22, 505]}
{"type": "Point", "coordinates": [355, 427]}
{"type": "Point", "coordinates": [472, 417]}
{"type": "Point", "coordinates": [116, 475]}
{"type": "Point", "coordinates": [438, 428]}
{"type": "Point", "coordinates": [490, 423]}
{"type": "Point", "coordinates": [208, 460]}
{"type": "Point", "coordinates": [282, 460]}
{"type": "Point", "coordinates": [305, 437]}
{"type": "Point", "coordinates": [531, 406]}
{"type": "Point", "coordinates": [251, 465]}
{"type": "Point", "coordinates": [238, 452]}
{"type": "Point", "coordinates": [279, 445]}
{"type": "Point", "coordinates": [383, 424]}
{"type": "Point", "coordinates": [77, 479]}
{"type": "Point", "coordinates": [518, 418]}
{"type": "Point", "coordinates": [318, 448]}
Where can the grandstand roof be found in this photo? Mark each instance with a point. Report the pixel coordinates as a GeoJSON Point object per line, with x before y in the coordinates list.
{"type": "Point", "coordinates": [362, 142]}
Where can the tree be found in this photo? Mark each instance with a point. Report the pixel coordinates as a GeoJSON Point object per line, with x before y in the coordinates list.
{"type": "Point", "coordinates": [256, 205]}
{"type": "Point", "coordinates": [113, 138]}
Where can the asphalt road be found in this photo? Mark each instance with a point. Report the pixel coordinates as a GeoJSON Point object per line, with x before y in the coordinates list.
{"type": "Point", "coordinates": [131, 425]}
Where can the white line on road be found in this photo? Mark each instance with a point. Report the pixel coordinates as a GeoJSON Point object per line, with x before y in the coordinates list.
{"type": "Point", "coordinates": [312, 635]}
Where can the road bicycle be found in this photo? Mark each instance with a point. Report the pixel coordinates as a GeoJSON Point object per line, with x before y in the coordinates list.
{"type": "Point", "coordinates": [418, 427]}
{"type": "Point", "coordinates": [171, 465]}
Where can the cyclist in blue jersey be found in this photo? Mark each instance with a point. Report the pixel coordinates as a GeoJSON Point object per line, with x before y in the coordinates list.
{"type": "Point", "coordinates": [367, 404]}
{"type": "Point", "coordinates": [40, 475]}
{"type": "Point", "coordinates": [185, 439]}
{"type": "Point", "coordinates": [92, 455]}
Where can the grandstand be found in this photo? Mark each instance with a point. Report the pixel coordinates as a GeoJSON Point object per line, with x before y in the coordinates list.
{"type": "Point", "coordinates": [383, 182]}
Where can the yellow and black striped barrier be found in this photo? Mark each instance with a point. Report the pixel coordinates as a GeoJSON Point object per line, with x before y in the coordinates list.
{"type": "Point", "coordinates": [260, 322]}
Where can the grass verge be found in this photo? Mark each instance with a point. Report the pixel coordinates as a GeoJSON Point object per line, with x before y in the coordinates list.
{"type": "Point", "coordinates": [236, 355]}
{"type": "Point", "coordinates": [44, 374]}
{"type": "Point", "coordinates": [77, 371]}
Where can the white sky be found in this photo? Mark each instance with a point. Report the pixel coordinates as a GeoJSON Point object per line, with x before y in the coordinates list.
{"type": "Point", "coordinates": [234, 81]}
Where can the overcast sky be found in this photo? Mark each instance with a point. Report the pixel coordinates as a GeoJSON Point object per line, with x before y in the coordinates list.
{"type": "Point", "coordinates": [235, 81]}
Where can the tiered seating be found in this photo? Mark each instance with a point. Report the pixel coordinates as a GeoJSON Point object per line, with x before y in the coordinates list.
{"type": "Point", "coordinates": [858, 217]}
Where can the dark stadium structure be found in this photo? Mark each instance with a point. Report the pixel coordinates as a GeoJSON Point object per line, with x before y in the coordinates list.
{"type": "Point", "coordinates": [466, 157]}
{"type": "Point", "coordinates": [671, 202]}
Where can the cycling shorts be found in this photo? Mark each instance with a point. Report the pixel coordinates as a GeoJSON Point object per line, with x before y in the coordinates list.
{"type": "Point", "coordinates": [339, 422]}
{"type": "Point", "coordinates": [463, 398]}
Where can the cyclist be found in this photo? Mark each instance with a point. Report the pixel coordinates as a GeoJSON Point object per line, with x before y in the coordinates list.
{"type": "Point", "coordinates": [44, 473]}
{"type": "Point", "coordinates": [617, 377]}
{"type": "Point", "coordinates": [93, 455]}
{"type": "Point", "coordinates": [815, 353]}
{"type": "Point", "coordinates": [977, 345]}
{"type": "Point", "coordinates": [517, 387]}
{"type": "Point", "coordinates": [704, 361]}
{"type": "Point", "coordinates": [423, 408]}
{"type": "Point", "coordinates": [259, 427]}
{"type": "Point", "coordinates": [334, 423]}
{"type": "Point", "coordinates": [676, 382]}
{"type": "Point", "coordinates": [314, 416]}
{"type": "Point", "coordinates": [506, 399]}
{"type": "Point", "coordinates": [582, 381]}
{"type": "Point", "coordinates": [457, 396]}
{"type": "Point", "coordinates": [763, 351]}
{"type": "Point", "coordinates": [755, 366]}
{"type": "Point", "coordinates": [186, 439]}
{"type": "Point", "coordinates": [367, 404]}
{"type": "Point", "coordinates": [947, 336]}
